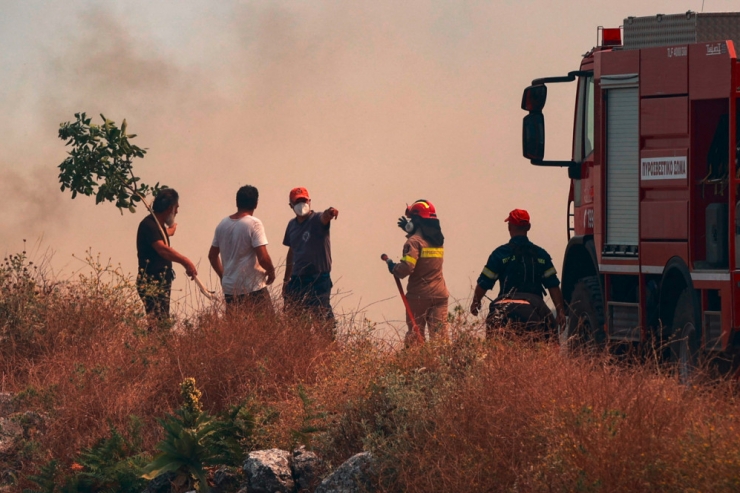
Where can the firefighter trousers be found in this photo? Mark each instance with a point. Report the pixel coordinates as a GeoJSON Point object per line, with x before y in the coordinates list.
{"type": "Point", "coordinates": [429, 312]}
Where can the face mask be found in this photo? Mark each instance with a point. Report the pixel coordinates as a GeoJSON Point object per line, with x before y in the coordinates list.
{"type": "Point", "coordinates": [301, 209]}
{"type": "Point", "coordinates": [409, 227]}
{"type": "Point", "coordinates": [170, 220]}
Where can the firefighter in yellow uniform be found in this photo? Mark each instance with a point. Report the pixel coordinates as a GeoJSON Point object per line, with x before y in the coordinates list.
{"type": "Point", "coordinates": [423, 256]}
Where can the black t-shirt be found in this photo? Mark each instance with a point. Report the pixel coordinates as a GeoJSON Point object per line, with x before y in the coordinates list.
{"type": "Point", "coordinates": [311, 245]}
{"type": "Point", "coordinates": [149, 260]}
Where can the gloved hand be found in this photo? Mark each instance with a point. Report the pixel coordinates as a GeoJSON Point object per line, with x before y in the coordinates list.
{"type": "Point", "coordinates": [391, 265]}
{"type": "Point", "coordinates": [402, 221]}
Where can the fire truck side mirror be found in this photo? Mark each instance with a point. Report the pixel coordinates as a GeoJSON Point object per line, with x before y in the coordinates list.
{"type": "Point", "coordinates": [575, 171]}
{"type": "Point", "coordinates": [534, 98]}
{"type": "Point", "coordinates": [533, 136]}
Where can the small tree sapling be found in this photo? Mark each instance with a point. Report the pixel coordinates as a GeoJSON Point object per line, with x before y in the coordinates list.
{"type": "Point", "coordinates": [101, 164]}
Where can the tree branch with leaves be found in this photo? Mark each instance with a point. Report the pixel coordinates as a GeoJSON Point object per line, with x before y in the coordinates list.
{"type": "Point", "coordinates": [101, 164]}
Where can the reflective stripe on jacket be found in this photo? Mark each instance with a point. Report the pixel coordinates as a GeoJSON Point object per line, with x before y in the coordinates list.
{"type": "Point", "coordinates": [422, 263]}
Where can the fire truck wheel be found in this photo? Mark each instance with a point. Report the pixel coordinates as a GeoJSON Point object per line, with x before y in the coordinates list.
{"type": "Point", "coordinates": [685, 338]}
{"type": "Point", "coordinates": [585, 326]}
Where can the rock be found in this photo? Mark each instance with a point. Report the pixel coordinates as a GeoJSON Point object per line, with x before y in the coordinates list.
{"type": "Point", "coordinates": [268, 471]}
{"type": "Point", "coordinates": [11, 433]}
{"type": "Point", "coordinates": [6, 404]}
{"type": "Point", "coordinates": [8, 480]}
{"type": "Point", "coordinates": [161, 484]}
{"type": "Point", "coordinates": [225, 480]}
{"type": "Point", "coordinates": [32, 422]}
{"type": "Point", "coordinates": [354, 476]}
{"type": "Point", "coordinates": [307, 469]}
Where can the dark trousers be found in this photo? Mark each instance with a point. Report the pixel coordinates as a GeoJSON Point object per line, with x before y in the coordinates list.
{"type": "Point", "coordinates": [255, 302]}
{"type": "Point", "coordinates": [311, 293]}
{"type": "Point", "coordinates": [524, 311]}
{"type": "Point", "coordinates": [154, 292]}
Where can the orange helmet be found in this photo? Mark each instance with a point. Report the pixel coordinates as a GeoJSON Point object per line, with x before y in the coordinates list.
{"type": "Point", "coordinates": [422, 208]}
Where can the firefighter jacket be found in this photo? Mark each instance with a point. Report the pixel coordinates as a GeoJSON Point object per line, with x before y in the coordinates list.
{"type": "Point", "coordinates": [519, 266]}
{"type": "Point", "coordinates": [423, 264]}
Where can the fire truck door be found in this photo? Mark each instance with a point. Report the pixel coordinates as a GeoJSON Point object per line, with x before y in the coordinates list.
{"type": "Point", "coordinates": [622, 165]}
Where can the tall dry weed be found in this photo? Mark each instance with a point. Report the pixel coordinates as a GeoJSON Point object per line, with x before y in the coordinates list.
{"type": "Point", "coordinates": [510, 414]}
{"type": "Point", "coordinates": [518, 416]}
{"type": "Point", "coordinates": [91, 364]}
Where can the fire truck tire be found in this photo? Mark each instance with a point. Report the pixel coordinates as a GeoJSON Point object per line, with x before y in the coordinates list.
{"type": "Point", "coordinates": [685, 341]}
{"type": "Point", "coordinates": [585, 326]}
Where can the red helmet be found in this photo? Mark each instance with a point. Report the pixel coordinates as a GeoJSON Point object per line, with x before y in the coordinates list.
{"type": "Point", "coordinates": [421, 208]}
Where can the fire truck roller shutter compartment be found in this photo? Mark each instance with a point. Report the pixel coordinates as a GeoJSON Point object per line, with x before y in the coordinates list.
{"type": "Point", "coordinates": [622, 163]}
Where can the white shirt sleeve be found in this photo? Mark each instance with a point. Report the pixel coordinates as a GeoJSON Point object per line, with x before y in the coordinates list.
{"type": "Point", "coordinates": [259, 238]}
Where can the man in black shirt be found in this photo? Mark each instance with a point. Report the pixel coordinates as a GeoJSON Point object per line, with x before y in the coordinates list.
{"type": "Point", "coordinates": [307, 284]}
{"type": "Point", "coordinates": [154, 281]}
{"type": "Point", "coordinates": [524, 271]}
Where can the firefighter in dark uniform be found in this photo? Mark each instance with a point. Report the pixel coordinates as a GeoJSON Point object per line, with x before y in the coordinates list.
{"type": "Point", "coordinates": [524, 271]}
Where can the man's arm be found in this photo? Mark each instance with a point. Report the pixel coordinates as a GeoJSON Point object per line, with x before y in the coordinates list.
{"type": "Point", "coordinates": [477, 297]}
{"type": "Point", "coordinates": [328, 215]}
{"type": "Point", "coordinates": [557, 298]}
{"type": "Point", "coordinates": [214, 256]}
{"type": "Point", "coordinates": [288, 269]}
{"type": "Point", "coordinates": [486, 280]}
{"type": "Point", "coordinates": [288, 265]}
{"type": "Point", "coordinates": [265, 262]}
{"type": "Point", "coordinates": [169, 253]}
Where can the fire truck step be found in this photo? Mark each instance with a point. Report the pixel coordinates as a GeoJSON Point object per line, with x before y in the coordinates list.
{"type": "Point", "coordinates": [713, 328]}
{"type": "Point", "coordinates": [624, 321]}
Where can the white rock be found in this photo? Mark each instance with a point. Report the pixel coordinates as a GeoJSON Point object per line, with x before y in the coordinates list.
{"type": "Point", "coordinates": [354, 476]}
{"type": "Point", "coordinates": [268, 471]}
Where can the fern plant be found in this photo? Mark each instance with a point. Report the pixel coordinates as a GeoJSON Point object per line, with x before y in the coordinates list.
{"type": "Point", "coordinates": [112, 465]}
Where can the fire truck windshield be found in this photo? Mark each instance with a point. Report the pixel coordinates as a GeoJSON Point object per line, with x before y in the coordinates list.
{"type": "Point", "coordinates": [583, 144]}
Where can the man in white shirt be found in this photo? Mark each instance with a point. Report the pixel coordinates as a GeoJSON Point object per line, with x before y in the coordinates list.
{"type": "Point", "coordinates": [239, 256]}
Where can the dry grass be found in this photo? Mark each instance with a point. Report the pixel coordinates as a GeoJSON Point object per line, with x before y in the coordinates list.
{"type": "Point", "coordinates": [514, 415]}
{"type": "Point", "coordinates": [506, 415]}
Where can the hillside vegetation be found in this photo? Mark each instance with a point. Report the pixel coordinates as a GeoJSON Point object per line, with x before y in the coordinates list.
{"type": "Point", "coordinates": [505, 415]}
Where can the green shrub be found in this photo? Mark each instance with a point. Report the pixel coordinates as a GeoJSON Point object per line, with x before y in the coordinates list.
{"type": "Point", "coordinates": [111, 465]}
{"type": "Point", "coordinates": [195, 440]}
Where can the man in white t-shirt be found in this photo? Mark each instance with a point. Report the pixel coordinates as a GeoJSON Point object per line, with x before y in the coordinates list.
{"type": "Point", "coordinates": [239, 256]}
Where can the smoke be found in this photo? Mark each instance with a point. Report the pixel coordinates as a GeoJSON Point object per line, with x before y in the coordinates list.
{"type": "Point", "coordinates": [30, 204]}
{"type": "Point", "coordinates": [370, 105]}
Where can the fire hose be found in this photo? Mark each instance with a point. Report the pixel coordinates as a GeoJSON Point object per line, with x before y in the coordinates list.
{"type": "Point", "coordinates": [415, 328]}
{"type": "Point", "coordinates": [208, 294]}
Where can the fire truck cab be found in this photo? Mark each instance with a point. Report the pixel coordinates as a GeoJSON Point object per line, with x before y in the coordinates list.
{"type": "Point", "coordinates": [654, 201]}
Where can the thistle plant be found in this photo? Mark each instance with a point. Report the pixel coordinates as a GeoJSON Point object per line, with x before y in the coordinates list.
{"type": "Point", "coordinates": [195, 440]}
{"type": "Point", "coordinates": [191, 397]}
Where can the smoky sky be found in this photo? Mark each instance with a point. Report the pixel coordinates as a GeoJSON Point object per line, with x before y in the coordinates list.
{"type": "Point", "coordinates": [369, 105]}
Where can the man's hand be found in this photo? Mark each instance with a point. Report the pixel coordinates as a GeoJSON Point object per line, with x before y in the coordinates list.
{"type": "Point", "coordinates": [171, 229]}
{"type": "Point", "coordinates": [475, 307]}
{"type": "Point", "coordinates": [270, 277]}
{"type": "Point", "coordinates": [402, 222]}
{"type": "Point", "coordinates": [560, 318]}
{"type": "Point", "coordinates": [190, 269]}
{"type": "Point", "coordinates": [391, 265]}
{"type": "Point", "coordinates": [328, 215]}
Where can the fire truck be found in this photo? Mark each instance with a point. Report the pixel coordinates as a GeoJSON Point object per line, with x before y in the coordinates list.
{"type": "Point", "coordinates": [653, 250]}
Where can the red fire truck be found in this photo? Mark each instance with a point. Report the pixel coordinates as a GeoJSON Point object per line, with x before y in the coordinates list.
{"type": "Point", "coordinates": [654, 202]}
